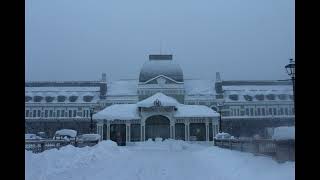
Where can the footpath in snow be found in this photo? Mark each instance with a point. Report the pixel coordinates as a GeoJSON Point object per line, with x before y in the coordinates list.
{"type": "Point", "coordinates": [167, 160]}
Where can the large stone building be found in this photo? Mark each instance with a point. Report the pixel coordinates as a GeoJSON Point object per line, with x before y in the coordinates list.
{"type": "Point", "coordinates": [247, 107]}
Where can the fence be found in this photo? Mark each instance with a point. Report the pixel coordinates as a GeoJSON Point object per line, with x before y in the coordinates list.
{"type": "Point", "coordinates": [282, 151]}
{"type": "Point", "coordinates": [38, 146]}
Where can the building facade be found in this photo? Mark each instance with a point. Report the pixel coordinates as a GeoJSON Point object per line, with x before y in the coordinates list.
{"type": "Point", "coordinates": [247, 107]}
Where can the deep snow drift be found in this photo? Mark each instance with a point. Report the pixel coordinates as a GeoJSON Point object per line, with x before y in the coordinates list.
{"type": "Point", "coordinates": [148, 160]}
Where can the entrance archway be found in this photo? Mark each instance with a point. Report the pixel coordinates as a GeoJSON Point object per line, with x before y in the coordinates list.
{"type": "Point", "coordinates": [157, 126]}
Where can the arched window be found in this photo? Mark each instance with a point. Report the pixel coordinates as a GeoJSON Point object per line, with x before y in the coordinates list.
{"type": "Point", "coordinates": [61, 98]}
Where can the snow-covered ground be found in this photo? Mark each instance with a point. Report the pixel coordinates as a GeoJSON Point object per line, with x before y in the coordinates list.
{"type": "Point", "coordinates": [167, 160]}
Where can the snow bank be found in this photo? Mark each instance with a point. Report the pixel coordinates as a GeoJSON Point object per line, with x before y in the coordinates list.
{"type": "Point", "coordinates": [284, 133]}
{"type": "Point", "coordinates": [234, 165]}
{"type": "Point", "coordinates": [170, 160]}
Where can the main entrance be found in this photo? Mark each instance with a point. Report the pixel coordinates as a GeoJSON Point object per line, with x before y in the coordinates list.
{"type": "Point", "coordinates": [157, 126]}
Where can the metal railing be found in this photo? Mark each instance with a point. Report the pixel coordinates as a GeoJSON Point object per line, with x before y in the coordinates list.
{"type": "Point", "coordinates": [281, 151]}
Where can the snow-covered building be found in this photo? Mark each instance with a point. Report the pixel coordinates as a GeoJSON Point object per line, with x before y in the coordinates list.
{"type": "Point", "coordinates": [160, 102]}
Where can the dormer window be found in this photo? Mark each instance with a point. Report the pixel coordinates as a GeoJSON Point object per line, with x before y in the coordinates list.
{"type": "Point", "coordinates": [73, 98]}
{"type": "Point", "coordinates": [234, 97]}
{"type": "Point", "coordinates": [61, 98]}
{"type": "Point", "coordinates": [282, 96]}
{"type": "Point", "coordinates": [49, 98]}
{"type": "Point", "coordinates": [270, 97]}
{"type": "Point", "coordinates": [87, 98]}
{"type": "Point", "coordinates": [28, 98]}
{"type": "Point", "coordinates": [37, 98]}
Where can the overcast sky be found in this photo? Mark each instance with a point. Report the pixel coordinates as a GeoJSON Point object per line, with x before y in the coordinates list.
{"type": "Point", "coordinates": [80, 39]}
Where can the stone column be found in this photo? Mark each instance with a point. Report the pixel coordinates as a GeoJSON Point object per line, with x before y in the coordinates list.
{"type": "Point", "coordinates": [207, 131]}
{"type": "Point", "coordinates": [100, 129]}
{"type": "Point", "coordinates": [108, 130]}
{"type": "Point", "coordinates": [186, 131]}
{"type": "Point", "coordinates": [128, 133]}
{"type": "Point", "coordinates": [172, 130]}
{"type": "Point", "coordinates": [142, 132]}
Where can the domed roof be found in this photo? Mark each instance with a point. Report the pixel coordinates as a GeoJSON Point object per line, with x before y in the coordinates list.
{"type": "Point", "coordinates": [156, 67]}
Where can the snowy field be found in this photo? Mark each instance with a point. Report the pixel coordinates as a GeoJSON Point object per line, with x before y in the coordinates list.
{"type": "Point", "coordinates": [167, 160]}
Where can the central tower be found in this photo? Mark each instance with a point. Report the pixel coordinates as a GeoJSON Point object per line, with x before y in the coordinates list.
{"type": "Point", "coordinates": [161, 74]}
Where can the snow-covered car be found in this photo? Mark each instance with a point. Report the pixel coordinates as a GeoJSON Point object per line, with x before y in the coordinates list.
{"type": "Point", "coordinates": [88, 138]}
{"type": "Point", "coordinates": [65, 134]}
{"type": "Point", "coordinates": [32, 137]}
{"type": "Point", "coordinates": [224, 136]}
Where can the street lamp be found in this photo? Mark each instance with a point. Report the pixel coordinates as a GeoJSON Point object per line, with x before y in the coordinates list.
{"type": "Point", "coordinates": [91, 122]}
{"type": "Point", "coordinates": [220, 105]}
{"type": "Point", "coordinates": [291, 72]}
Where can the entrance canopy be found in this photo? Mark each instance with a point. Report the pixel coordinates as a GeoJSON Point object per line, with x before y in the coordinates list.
{"type": "Point", "coordinates": [131, 111]}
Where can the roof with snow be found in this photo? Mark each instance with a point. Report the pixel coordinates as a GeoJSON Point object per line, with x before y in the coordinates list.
{"type": "Point", "coordinates": [160, 66]}
{"type": "Point", "coordinates": [163, 99]}
{"type": "Point", "coordinates": [130, 111]}
{"type": "Point", "coordinates": [118, 111]}
{"type": "Point", "coordinates": [195, 111]}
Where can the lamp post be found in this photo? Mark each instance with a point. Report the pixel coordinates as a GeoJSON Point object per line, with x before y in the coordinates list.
{"type": "Point", "coordinates": [91, 121]}
{"type": "Point", "coordinates": [220, 105]}
{"type": "Point", "coordinates": [291, 72]}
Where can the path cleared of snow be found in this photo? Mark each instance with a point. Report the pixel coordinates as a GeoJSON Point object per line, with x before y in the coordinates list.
{"type": "Point", "coordinates": [167, 160]}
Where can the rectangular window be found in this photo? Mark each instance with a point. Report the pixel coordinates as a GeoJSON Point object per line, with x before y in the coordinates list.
{"type": "Point", "coordinates": [251, 111]}
{"type": "Point", "coordinates": [270, 111]}
{"type": "Point", "coordinates": [258, 111]}
{"type": "Point", "coordinates": [263, 111]}
{"type": "Point", "coordinates": [286, 111]}
{"type": "Point", "coordinates": [247, 111]}
{"type": "Point", "coordinates": [74, 113]}
{"type": "Point", "coordinates": [274, 111]}
{"type": "Point", "coordinates": [50, 113]}
{"type": "Point", "coordinates": [45, 113]}
{"type": "Point", "coordinates": [27, 113]}
{"type": "Point", "coordinates": [39, 113]}
{"type": "Point", "coordinates": [58, 113]}
{"type": "Point", "coordinates": [281, 111]}
{"type": "Point", "coordinates": [70, 113]}
{"type": "Point", "coordinates": [62, 113]}
{"type": "Point", "coordinates": [34, 113]}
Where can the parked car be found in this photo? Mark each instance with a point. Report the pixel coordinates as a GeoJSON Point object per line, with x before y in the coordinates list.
{"type": "Point", "coordinates": [94, 138]}
{"type": "Point", "coordinates": [224, 136]}
{"type": "Point", "coordinates": [32, 137]}
{"type": "Point", "coordinates": [65, 134]}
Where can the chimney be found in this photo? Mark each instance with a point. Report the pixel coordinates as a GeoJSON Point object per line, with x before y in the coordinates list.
{"type": "Point", "coordinates": [104, 77]}
{"type": "Point", "coordinates": [218, 79]}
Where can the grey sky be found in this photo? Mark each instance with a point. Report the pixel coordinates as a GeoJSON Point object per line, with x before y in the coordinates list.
{"type": "Point", "coordinates": [80, 39]}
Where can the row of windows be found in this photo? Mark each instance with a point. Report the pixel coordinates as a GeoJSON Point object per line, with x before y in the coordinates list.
{"type": "Point", "coordinates": [148, 92]}
{"type": "Point", "coordinates": [261, 97]}
{"type": "Point", "coordinates": [261, 111]}
{"type": "Point", "coordinates": [56, 113]}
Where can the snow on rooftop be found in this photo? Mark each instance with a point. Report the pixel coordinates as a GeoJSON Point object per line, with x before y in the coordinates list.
{"type": "Point", "coordinates": [54, 89]}
{"type": "Point", "coordinates": [195, 111]}
{"type": "Point", "coordinates": [66, 132]}
{"type": "Point", "coordinates": [118, 111]}
{"type": "Point", "coordinates": [122, 87]}
{"type": "Point", "coordinates": [257, 89]}
{"type": "Point", "coordinates": [197, 87]}
{"type": "Point", "coordinates": [164, 100]}
{"type": "Point", "coordinates": [284, 133]}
